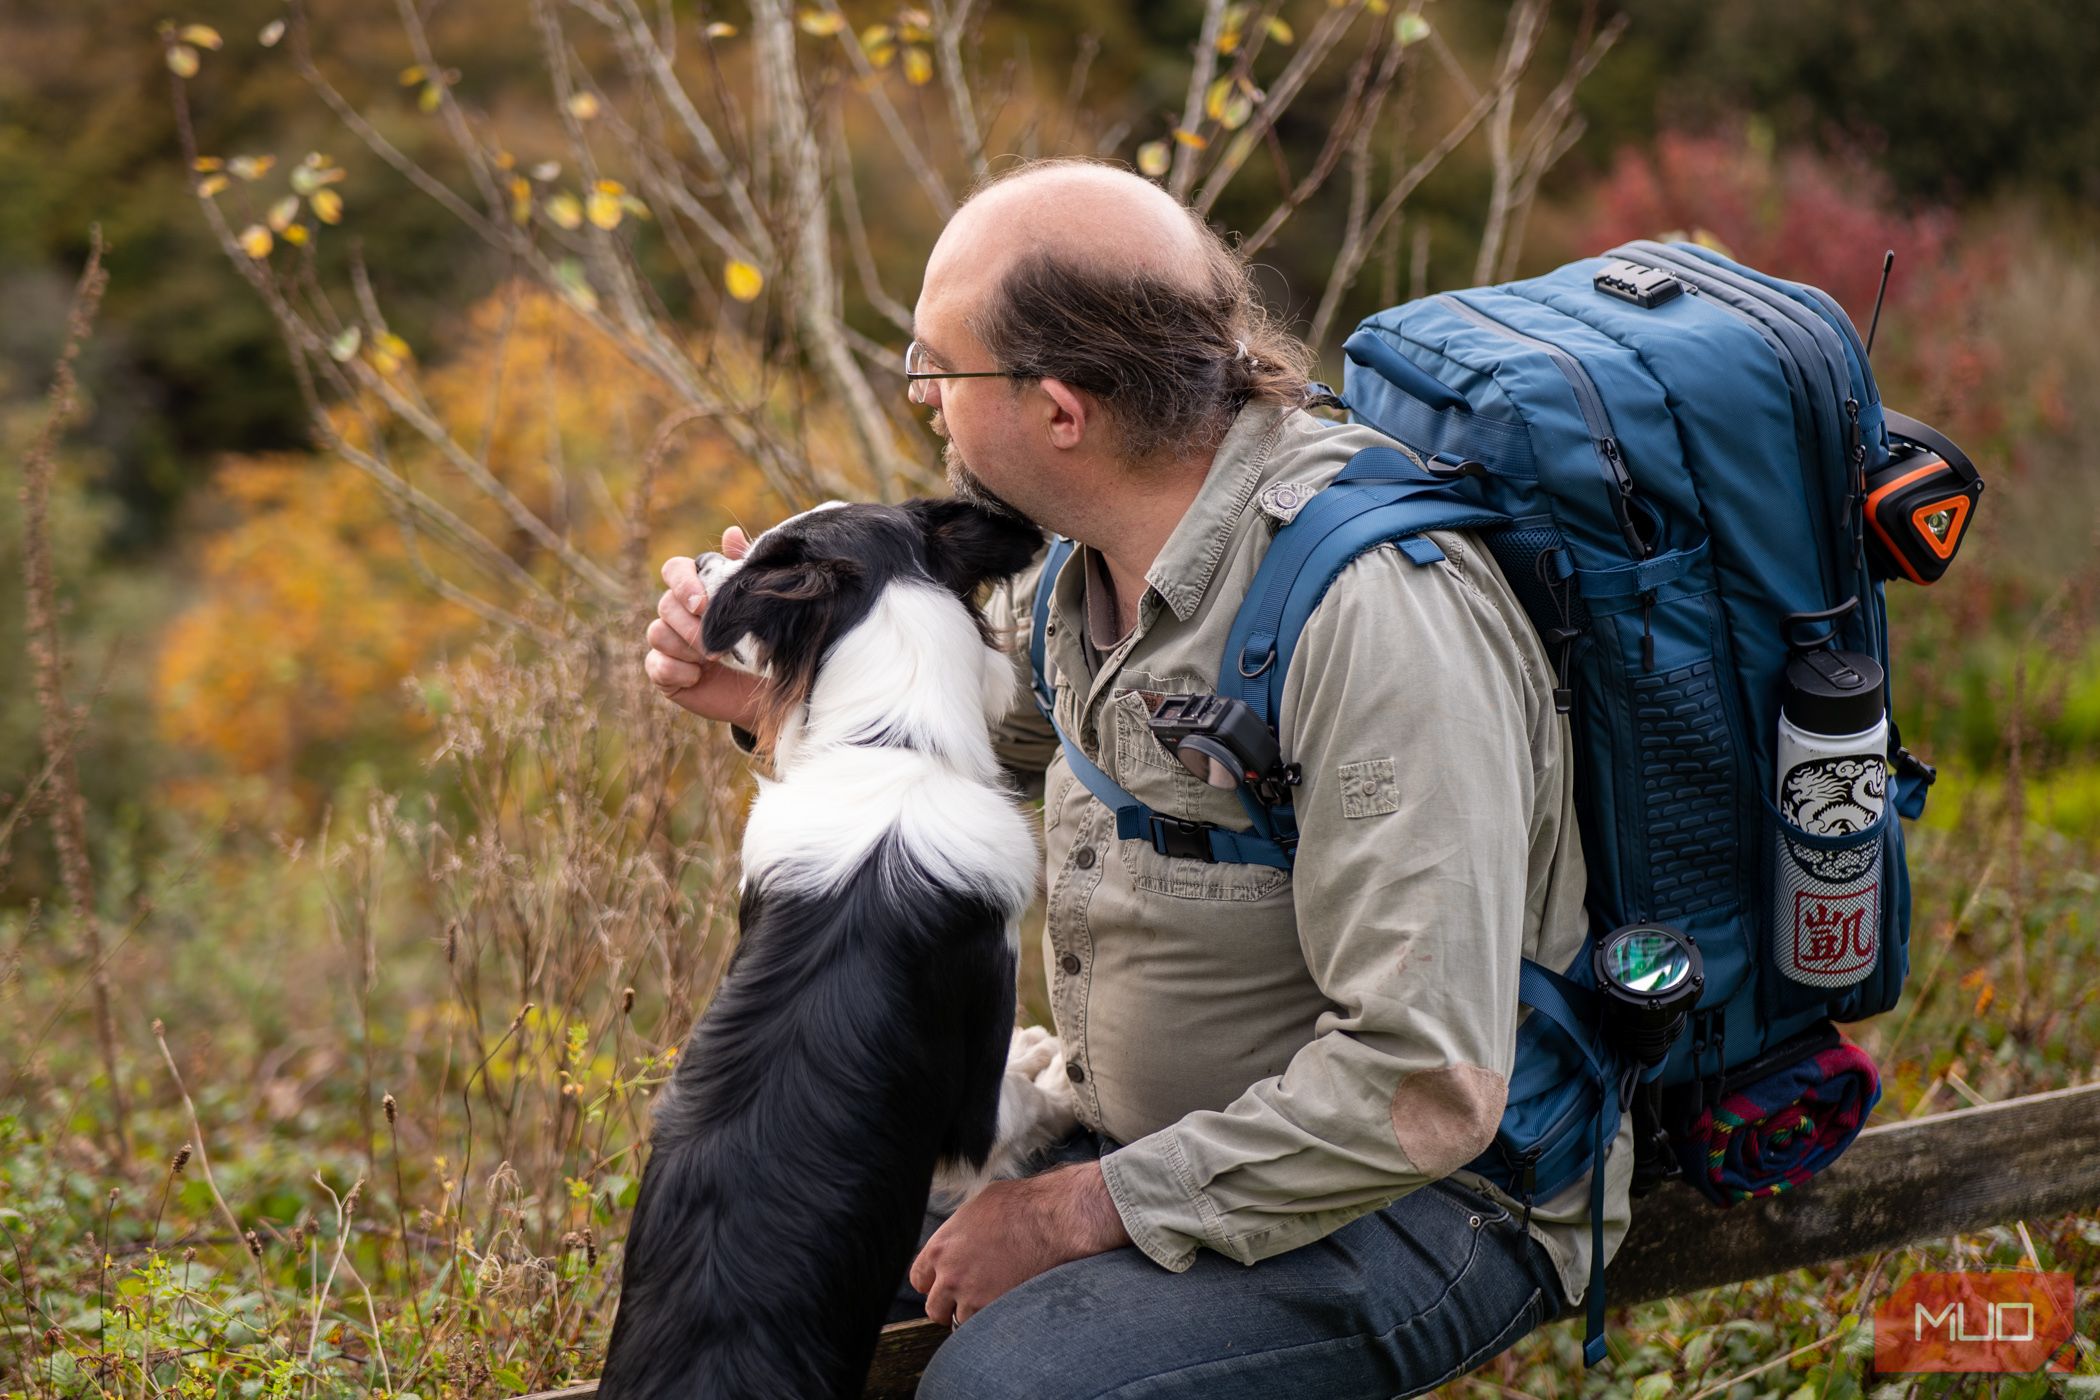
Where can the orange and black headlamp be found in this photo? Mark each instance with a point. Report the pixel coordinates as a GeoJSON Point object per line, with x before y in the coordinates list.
{"type": "Point", "coordinates": [1920, 504]}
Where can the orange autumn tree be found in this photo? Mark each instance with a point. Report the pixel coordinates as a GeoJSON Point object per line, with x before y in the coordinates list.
{"type": "Point", "coordinates": [317, 597]}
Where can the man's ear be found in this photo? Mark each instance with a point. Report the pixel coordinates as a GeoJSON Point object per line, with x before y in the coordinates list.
{"type": "Point", "coordinates": [967, 545]}
{"type": "Point", "coordinates": [1068, 415]}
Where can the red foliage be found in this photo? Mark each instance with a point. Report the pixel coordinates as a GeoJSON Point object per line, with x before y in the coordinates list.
{"type": "Point", "coordinates": [1824, 220]}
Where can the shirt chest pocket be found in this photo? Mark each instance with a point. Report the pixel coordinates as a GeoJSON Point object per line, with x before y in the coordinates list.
{"type": "Point", "coordinates": [1156, 778]}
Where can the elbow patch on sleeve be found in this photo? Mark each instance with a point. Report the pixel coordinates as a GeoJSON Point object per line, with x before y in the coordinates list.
{"type": "Point", "coordinates": [1443, 1118]}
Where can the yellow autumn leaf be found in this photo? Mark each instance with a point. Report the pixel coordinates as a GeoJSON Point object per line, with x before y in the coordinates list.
{"type": "Point", "coordinates": [296, 235]}
{"type": "Point", "coordinates": [743, 280]}
{"type": "Point", "coordinates": [520, 200]}
{"type": "Point", "coordinates": [251, 167]}
{"type": "Point", "coordinates": [412, 75]}
{"type": "Point", "coordinates": [256, 241]}
{"type": "Point", "coordinates": [720, 29]}
{"type": "Point", "coordinates": [1152, 158]}
{"type": "Point", "coordinates": [204, 163]}
{"type": "Point", "coordinates": [211, 185]}
{"type": "Point", "coordinates": [427, 100]}
{"type": "Point", "coordinates": [344, 345]}
{"type": "Point", "coordinates": [1410, 29]}
{"type": "Point", "coordinates": [1378, 7]}
{"type": "Point", "coordinates": [881, 55]}
{"type": "Point", "coordinates": [271, 33]}
{"type": "Point", "coordinates": [1229, 41]}
{"type": "Point", "coordinates": [611, 187]}
{"type": "Point", "coordinates": [584, 106]}
{"type": "Point", "coordinates": [283, 212]}
{"type": "Point", "coordinates": [565, 211]}
{"type": "Point", "coordinates": [918, 67]}
{"type": "Point", "coordinates": [202, 35]}
{"type": "Point", "coordinates": [1214, 98]}
{"type": "Point", "coordinates": [1279, 30]}
{"type": "Point", "coordinates": [328, 206]}
{"type": "Point", "coordinates": [604, 209]}
{"type": "Point", "coordinates": [1238, 106]}
{"type": "Point", "coordinates": [182, 60]}
{"type": "Point", "coordinates": [820, 23]}
{"type": "Point", "coordinates": [1190, 139]}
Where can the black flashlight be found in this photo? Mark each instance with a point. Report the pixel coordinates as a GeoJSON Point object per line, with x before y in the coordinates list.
{"type": "Point", "coordinates": [1651, 976]}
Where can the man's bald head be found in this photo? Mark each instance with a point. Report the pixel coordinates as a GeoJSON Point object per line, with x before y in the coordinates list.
{"type": "Point", "coordinates": [1085, 273]}
{"type": "Point", "coordinates": [1091, 216]}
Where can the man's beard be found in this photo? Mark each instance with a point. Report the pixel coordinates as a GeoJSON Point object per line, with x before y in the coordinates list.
{"type": "Point", "coordinates": [968, 487]}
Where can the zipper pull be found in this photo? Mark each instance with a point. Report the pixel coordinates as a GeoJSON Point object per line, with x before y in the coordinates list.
{"type": "Point", "coordinates": [1563, 639]}
{"type": "Point", "coordinates": [1647, 634]}
{"type": "Point", "coordinates": [1622, 505]}
{"type": "Point", "coordinates": [1858, 443]}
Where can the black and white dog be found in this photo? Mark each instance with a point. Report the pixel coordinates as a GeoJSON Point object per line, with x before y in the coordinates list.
{"type": "Point", "coordinates": [861, 1038]}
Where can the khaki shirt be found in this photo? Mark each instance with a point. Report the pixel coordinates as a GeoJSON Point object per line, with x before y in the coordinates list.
{"type": "Point", "coordinates": [1283, 1052]}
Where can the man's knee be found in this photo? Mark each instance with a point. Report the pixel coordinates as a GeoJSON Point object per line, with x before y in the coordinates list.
{"type": "Point", "coordinates": [985, 1361]}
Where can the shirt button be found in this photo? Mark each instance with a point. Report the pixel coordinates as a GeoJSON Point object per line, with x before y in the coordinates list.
{"type": "Point", "coordinates": [1070, 963]}
{"type": "Point", "coordinates": [1085, 859]}
{"type": "Point", "coordinates": [1075, 1073]}
{"type": "Point", "coordinates": [1369, 787]}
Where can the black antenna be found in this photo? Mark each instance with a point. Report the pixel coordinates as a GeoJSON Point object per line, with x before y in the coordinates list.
{"type": "Point", "coordinates": [1888, 260]}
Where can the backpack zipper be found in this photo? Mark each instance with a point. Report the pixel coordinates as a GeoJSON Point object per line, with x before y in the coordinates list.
{"type": "Point", "coordinates": [1782, 323]}
{"type": "Point", "coordinates": [1606, 444]}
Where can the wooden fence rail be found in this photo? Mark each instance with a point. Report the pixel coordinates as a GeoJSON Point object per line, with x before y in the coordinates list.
{"type": "Point", "coordinates": [1898, 1183]}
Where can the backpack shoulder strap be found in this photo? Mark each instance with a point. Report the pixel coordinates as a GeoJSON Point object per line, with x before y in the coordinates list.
{"type": "Point", "coordinates": [1039, 622]}
{"type": "Point", "coordinates": [1134, 820]}
{"type": "Point", "coordinates": [1380, 497]}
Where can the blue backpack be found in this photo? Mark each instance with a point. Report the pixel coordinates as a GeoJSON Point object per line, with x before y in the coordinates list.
{"type": "Point", "coordinates": [1667, 454]}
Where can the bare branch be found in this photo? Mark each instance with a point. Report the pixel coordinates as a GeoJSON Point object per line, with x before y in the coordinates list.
{"type": "Point", "coordinates": [1360, 109]}
{"type": "Point", "coordinates": [1312, 51]}
{"type": "Point", "coordinates": [948, 26]}
{"type": "Point", "coordinates": [811, 281]}
{"type": "Point", "coordinates": [47, 655]}
{"type": "Point", "coordinates": [1200, 74]}
{"type": "Point", "coordinates": [871, 81]}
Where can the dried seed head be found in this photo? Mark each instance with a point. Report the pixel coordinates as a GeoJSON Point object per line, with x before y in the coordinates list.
{"type": "Point", "coordinates": [182, 1159]}
{"type": "Point", "coordinates": [254, 1243]}
{"type": "Point", "coordinates": [393, 1110]}
{"type": "Point", "coordinates": [626, 1000]}
{"type": "Point", "coordinates": [350, 1197]}
{"type": "Point", "coordinates": [158, 1028]}
{"type": "Point", "coordinates": [299, 1239]}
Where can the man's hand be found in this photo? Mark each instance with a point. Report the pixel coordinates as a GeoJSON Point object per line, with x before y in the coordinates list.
{"type": "Point", "coordinates": [1010, 1232]}
{"type": "Point", "coordinates": [676, 663]}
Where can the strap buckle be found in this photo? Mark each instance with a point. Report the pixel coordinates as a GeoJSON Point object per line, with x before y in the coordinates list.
{"type": "Point", "coordinates": [1180, 839]}
{"type": "Point", "coordinates": [1909, 765]}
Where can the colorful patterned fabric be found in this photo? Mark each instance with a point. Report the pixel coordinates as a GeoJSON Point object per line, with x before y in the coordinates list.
{"type": "Point", "coordinates": [1776, 1132]}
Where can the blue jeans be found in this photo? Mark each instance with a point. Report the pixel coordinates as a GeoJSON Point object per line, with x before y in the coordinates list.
{"type": "Point", "coordinates": [1392, 1304]}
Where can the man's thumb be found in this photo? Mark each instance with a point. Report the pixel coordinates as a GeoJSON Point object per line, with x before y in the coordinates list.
{"type": "Point", "coordinates": [735, 544]}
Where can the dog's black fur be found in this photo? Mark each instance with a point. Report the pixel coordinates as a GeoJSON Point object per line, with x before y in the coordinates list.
{"type": "Point", "coordinates": [859, 1037]}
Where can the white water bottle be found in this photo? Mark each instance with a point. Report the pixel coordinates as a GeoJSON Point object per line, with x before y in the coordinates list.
{"type": "Point", "coordinates": [1832, 784]}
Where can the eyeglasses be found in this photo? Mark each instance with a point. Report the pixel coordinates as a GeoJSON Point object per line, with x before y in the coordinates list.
{"type": "Point", "coordinates": [915, 371]}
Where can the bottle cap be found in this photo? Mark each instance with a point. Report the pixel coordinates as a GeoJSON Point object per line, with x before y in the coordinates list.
{"type": "Point", "coordinates": [1833, 692]}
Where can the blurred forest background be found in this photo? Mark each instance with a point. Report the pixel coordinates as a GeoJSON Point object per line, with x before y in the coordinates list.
{"type": "Point", "coordinates": [354, 885]}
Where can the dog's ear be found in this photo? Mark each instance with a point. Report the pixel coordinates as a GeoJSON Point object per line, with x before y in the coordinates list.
{"type": "Point", "coordinates": [753, 603]}
{"type": "Point", "coordinates": [967, 545]}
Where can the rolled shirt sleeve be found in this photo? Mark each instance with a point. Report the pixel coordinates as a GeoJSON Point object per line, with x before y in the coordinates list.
{"type": "Point", "coordinates": [1413, 710]}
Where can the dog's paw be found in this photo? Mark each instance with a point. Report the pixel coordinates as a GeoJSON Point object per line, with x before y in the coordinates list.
{"type": "Point", "coordinates": [1061, 1108]}
{"type": "Point", "coordinates": [1031, 1050]}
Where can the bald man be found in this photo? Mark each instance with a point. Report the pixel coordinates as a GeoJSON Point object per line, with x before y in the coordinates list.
{"type": "Point", "coordinates": [1280, 1075]}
